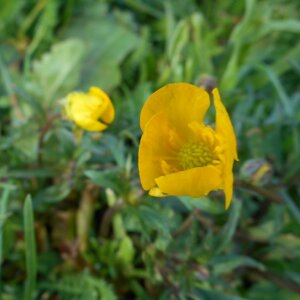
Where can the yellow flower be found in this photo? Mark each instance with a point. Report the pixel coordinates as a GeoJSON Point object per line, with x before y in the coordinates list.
{"type": "Point", "coordinates": [91, 111]}
{"type": "Point", "coordinates": [180, 155]}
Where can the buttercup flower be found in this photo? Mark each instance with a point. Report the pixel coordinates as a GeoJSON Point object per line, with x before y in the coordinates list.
{"type": "Point", "coordinates": [91, 111]}
{"type": "Point", "coordinates": [179, 155]}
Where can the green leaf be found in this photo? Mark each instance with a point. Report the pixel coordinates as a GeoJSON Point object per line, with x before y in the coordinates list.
{"type": "Point", "coordinates": [117, 148]}
{"type": "Point", "coordinates": [9, 11]}
{"type": "Point", "coordinates": [39, 173]}
{"type": "Point", "coordinates": [30, 249]}
{"type": "Point", "coordinates": [204, 203]}
{"type": "Point", "coordinates": [263, 231]}
{"type": "Point", "coordinates": [107, 179]}
{"type": "Point", "coordinates": [125, 253]}
{"type": "Point", "coordinates": [154, 219]}
{"type": "Point", "coordinates": [228, 263]}
{"type": "Point", "coordinates": [80, 287]}
{"type": "Point", "coordinates": [3, 211]}
{"type": "Point", "coordinates": [52, 194]}
{"type": "Point", "coordinates": [214, 295]}
{"type": "Point", "coordinates": [283, 97]}
{"type": "Point", "coordinates": [6, 79]}
{"type": "Point", "coordinates": [286, 246]}
{"type": "Point", "coordinates": [108, 42]}
{"type": "Point", "coordinates": [267, 291]}
{"type": "Point", "coordinates": [57, 72]}
{"type": "Point", "coordinates": [225, 236]}
{"type": "Point", "coordinates": [291, 205]}
{"type": "Point", "coordinates": [43, 30]}
{"type": "Point", "coordinates": [289, 25]}
{"type": "Point", "coordinates": [239, 35]}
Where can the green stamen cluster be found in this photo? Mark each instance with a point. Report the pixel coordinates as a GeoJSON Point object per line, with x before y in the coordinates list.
{"type": "Point", "coordinates": [195, 154]}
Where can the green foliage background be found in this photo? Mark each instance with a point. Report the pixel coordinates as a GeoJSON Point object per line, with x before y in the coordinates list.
{"type": "Point", "coordinates": [88, 231]}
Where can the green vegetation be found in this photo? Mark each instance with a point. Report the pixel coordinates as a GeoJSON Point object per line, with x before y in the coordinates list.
{"type": "Point", "coordinates": [86, 229]}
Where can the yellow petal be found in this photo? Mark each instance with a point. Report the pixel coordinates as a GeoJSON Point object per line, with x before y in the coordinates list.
{"type": "Point", "coordinates": [80, 103]}
{"type": "Point", "coordinates": [89, 124]}
{"type": "Point", "coordinates": [154, 148]}
{"type": "Point", "coordinates": [223, 124]}
{"type": "Point", "coordinates": [225, 129]}
{"type": "Point", "coordinates": [182, 102]}
{"type": "Point", "coordinates": [156, 192]}
{"type": "Point", "coordinates": [228, 183]}
{"type": "Point", "coordinates": [194, 182]}
{"type": "Point", "coordinates": [108, 114]}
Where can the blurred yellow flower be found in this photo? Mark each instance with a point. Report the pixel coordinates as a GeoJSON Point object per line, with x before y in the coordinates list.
{"type": "Point", "coordinates": [180, 155]}
{"type": "Point", "coordinates": [91, 111]}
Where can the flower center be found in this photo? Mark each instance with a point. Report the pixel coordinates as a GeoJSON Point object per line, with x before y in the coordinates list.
{"type": "Point", "coordinates": [202, 150]}
{"type": "Point", "coordinates": [194, 154]}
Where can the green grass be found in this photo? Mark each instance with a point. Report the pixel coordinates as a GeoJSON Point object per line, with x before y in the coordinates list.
{"type": "Point", "coordinates": [30, 249]}
{"type": "Point", "coordinates": [88, 231]}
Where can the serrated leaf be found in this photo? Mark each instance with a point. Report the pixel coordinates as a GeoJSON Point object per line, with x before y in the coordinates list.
{"type": "Point", "coordinates": [81, 287]}
{"type": "Point", "coordinates": [57, 72]}
{"type": "Point", "coordinates": [108, 43]}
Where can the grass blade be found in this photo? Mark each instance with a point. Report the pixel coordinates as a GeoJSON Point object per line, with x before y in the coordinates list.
{"type": "Point", "coordinates": [283, 97]}
{"type": "Point", "coordinates": [3, 209]}
{"type": "Point", "coordinates": [229, 229]}
{"type": "Point", "coordinates": [293, 208]}
{"type": "Point", "coordinates": [30, 249]}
